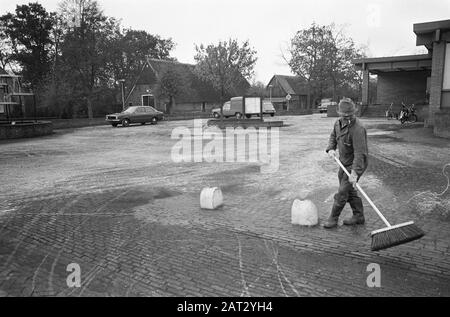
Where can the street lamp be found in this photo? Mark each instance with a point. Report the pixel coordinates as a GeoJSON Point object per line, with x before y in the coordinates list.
{"type": "Point", "coordinates": [122, 86]}
{"type": "Point", "coordinates": [270, 92]}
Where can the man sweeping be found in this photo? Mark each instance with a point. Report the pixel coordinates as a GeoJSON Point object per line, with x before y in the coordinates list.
{"type": "Point", "coordinates": [349, 137]}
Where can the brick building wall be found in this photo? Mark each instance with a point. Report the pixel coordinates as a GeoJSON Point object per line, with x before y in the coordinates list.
{"type": "Point", "coordinates": [160, 104]}
{"type": "Point", "coordinates": [409, 87]}
{"type": "Point", "coordinates": [194, 107]}
{"type": "Point", "coordinates": [136, 96]}
{"type": "Point", "coordinates": [436, 80]}
{"type": "Point", "coordinates": [442, 124]}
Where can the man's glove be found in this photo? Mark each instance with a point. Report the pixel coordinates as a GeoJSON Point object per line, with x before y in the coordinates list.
{"type": "Point", "coordinates": [332, 154]}
{"type": "Point", "coordinates": [353, 179]}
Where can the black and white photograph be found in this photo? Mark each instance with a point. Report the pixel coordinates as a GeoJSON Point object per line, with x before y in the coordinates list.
{"type": "Point", "coordinates": [226, 154]}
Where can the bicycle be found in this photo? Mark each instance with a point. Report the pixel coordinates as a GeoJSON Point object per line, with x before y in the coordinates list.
{"type": "Point", "coordinates": [407, 114]}
{"type": "Point", "coordinates": [390, 114]}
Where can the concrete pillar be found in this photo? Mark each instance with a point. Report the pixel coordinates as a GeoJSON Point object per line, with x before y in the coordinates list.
{"type": "Point", "coordinates": [365, 87]}
{"type": "Point", "coordinates": [437, 69]}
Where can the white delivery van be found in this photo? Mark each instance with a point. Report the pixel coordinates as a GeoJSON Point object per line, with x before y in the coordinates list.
{"type": "Point", "coordinates": [240, 106]}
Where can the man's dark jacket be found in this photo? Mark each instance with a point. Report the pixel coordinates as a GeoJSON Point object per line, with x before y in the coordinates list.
{"type": "Point", "coordinates": [351, 140]}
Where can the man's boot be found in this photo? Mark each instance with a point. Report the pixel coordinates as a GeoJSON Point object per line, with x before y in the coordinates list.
{"type": "Point", "coordinates": [331, 223]}
{"type": "Point", "coordinates": [354, 220]}
{"type": "Point", "coordinates": [334, 217]}
{"type": "Point", "coordinates": [358, 213]}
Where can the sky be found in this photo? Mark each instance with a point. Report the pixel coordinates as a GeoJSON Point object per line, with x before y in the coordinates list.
{"type": "Point", "coordinates": [385, 27]}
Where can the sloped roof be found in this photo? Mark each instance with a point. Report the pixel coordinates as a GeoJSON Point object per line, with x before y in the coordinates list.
{"type": "Point", "coordinates": [3, 72]}
{"type": "Point", "coordinates": [197, 90]}
{"type": "Point", "coordinates": [292, 85]}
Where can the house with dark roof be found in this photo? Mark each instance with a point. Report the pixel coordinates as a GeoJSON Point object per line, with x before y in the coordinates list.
{"type": "Point", "coordinates": [423, 80]}
{"type": "Point", "coordinates": [196, 95]}
{"type": "Point", "coordinates": [288, 93]}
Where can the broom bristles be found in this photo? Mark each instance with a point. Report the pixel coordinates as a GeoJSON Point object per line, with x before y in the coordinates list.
{"type": "Point", "coordinates": [400, 234]}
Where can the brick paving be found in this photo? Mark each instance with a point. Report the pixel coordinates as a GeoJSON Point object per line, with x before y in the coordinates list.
{"type": "Point", "coordinates": [112, 201]}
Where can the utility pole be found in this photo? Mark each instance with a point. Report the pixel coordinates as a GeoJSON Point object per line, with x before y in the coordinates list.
{"type": "Point", "coordinates": [122, 88]}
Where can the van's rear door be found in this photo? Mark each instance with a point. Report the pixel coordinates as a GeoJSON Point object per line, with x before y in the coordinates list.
{"type": "Point", "coordinates": [252, 105]}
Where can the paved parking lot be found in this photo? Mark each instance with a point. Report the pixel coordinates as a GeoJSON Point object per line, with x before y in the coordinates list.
{"type": "Point", "coordinates": [112, 201]}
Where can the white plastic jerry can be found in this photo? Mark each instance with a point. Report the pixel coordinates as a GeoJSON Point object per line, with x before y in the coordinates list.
{"type": "Point", "coordinates": [304, 213]}
{"type": "Point", "coordinates": [211, 198]}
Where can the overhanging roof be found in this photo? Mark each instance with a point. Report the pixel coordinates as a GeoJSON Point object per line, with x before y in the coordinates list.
{"type": "Point", "coordinates": [430, 32]}
{"type": "Point", "coordinates": [394, 63]}
{"type": "Point", "coordinates": [423, 28]}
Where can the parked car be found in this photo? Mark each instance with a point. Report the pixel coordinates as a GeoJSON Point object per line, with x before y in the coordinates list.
{"type": "Point", "coordinates": [135, 114]}
{"type": "Point", "coordinates": [268, 108]}
{"type": "Point", "coordinates": [324, 103]}
{"type": "Point", "coordinates": [235, 108]}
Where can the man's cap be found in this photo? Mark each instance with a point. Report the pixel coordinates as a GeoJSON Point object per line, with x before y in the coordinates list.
{"type": "Point", "coordinates": [346, 107]}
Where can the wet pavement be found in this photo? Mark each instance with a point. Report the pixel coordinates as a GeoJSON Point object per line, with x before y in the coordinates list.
{"type": "Point", "coordinates": [114, 202]}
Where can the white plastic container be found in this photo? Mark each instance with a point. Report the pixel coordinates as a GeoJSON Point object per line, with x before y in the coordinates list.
{"type": "Point", "coordinates": [211, 198]}
{"type": "Point", "coordinates": [304, 213]}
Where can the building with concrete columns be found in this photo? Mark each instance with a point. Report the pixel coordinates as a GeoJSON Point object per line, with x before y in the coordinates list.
{"type": "Point", "coordinates": [423, 80]}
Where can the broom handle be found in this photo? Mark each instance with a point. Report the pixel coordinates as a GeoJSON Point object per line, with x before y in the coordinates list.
{"type": "Point", "coordinates": [364, 194]}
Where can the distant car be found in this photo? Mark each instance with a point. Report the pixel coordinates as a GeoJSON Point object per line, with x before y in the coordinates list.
{"type": "Point", "coordinates": [324, 103]}
{"type": "Point", "coordinates": [322, 108]}
{"type": "Point", "coordinates": [135, 114]}
{"type": "Point", "coordinates": [268, 108]}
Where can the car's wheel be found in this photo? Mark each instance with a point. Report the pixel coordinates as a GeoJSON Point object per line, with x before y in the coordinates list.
{"type": "Point", "coordinates": [216, 115]}
{"type": "Point", "coordinates": [143, 123]}
{"type": "Point", "coordinates": [114, 125]}
{"type": "Point", "coordinates": [125, 122]}
{"type": "Point", "coordinates": [248, 116]}
{"type": "Point", "coordinates": [238, 115]}
{"type": "Point", "coordinates": [272, 114]}
{"type": "Point", "coordinates": [154, 120]}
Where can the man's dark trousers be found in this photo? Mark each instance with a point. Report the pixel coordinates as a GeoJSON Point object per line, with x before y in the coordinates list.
{"type": "Point", "coordinates": [346, 193]}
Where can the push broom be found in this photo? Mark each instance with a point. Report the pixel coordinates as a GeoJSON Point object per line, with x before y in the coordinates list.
{"type": "Point", "coordinates": [391, 235]}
